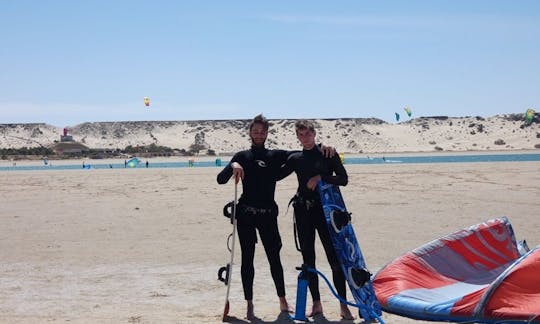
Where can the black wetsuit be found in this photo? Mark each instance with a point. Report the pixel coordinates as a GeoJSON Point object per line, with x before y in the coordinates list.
{"type": "Point", "coordinates": [257, 210]}
{"type": "Point", "coordinates": [308, 212]}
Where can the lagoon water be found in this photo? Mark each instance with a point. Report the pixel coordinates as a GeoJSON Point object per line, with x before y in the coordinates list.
{"type": "Point", "coordinates": [447, 159]}
{"type": "Point", "coordinates": [356, 160]}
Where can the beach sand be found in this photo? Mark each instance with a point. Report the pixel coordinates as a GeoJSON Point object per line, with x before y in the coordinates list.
{"type": "Point", "coordinates": [144, 245]}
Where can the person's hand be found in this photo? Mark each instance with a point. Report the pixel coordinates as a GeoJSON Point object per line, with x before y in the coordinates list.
{"type": "Point", "coordinates": [238, 172]}
{"type": "Point", "coordinates": [328, 151]}
{"type": "Point", "coordinates": [313, 181]}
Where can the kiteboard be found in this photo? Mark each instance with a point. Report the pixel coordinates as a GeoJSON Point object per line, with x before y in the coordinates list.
{"type": "Point", "coordinates": [338, 220]}
{"type": "Point", "coordinates": [229, 211]}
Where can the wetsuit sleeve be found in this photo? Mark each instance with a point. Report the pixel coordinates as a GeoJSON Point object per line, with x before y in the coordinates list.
{"type": "Point", "coordinates": [283, 155]}
{"type": "Point", "coordinates": [289, 153]}
{"type": "Point", "coordinates": [225, 174]}
{"type": "Point", "coordinates": [340, 178]}
{"type": "Point", "coordinates": [286, 169]}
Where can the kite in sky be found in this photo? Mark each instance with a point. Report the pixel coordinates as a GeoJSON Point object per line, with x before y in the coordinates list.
{"type": "Point", "coordinates": [408, 111]}
{"type": "Point", "coordinates": [529, 115]}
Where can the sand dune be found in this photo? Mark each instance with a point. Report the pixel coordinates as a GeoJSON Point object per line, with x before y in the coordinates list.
{"type": "Point", "coordinates": [348, 135]}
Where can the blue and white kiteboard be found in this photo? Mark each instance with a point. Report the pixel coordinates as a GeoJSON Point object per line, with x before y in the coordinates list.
{"type": "Point", "coordinates": [348, 251]}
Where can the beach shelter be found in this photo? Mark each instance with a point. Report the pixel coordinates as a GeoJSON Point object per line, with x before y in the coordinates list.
{"type": "Point", "coordinates": [478, 274]}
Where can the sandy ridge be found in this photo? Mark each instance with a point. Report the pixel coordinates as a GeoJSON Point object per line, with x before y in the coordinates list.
{"type": "Point", "coordinates": [348, 135]}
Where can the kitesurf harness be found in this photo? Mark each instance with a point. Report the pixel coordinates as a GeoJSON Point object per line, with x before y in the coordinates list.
{"type": "Point", "coordinates": [339, 218]}
{"type": "Point", "coordinates": [297, 200]}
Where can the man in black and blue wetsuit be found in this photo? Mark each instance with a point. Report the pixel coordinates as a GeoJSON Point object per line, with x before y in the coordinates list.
{"type": "Point", "coordinates": [311, 166]}
{"type": "Point", "coordinates": [257, 210]}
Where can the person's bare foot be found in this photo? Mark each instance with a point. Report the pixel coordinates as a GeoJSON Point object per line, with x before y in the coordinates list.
{"type": "Point", "coordinates": [316, 309]}
{"type": "Point", "coordinates": [250, 314]}
{"type": "Point", "coordinates": [284, 305]}
{"type": "Point", "coordinates": [345, 312]}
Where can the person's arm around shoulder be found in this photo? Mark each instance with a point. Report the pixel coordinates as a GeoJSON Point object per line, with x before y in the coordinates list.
{"type": "Point", "coordinates": [340, 177]}
{"type": "Point", "coordinates": [327, 151]}
{"type": "Point", "coordinates": [288, 167]}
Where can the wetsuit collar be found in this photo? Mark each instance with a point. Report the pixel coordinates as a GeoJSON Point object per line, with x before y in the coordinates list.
{"type": "Point", "coordinates": [256, 148]}
{"type": "Point", "coordinates": [313, 149]}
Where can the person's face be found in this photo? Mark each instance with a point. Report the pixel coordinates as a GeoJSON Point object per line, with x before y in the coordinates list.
{"type": "Point", "coordinates": [306, 138]}
{"type": "Point", "coordinates": [258, 134]}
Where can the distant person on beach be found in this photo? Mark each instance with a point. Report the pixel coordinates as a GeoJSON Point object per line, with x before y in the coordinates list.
{"type": "Point", "coordinates": [125, 163]}
{"type": "Point", "coordinates": [83, 166]}
{"type": "Point", "coordinates": [311, 166]}
{"type": "Point", "coordinates": [258, 168]}
{"type": "Point", "coordinates": [147, 164]}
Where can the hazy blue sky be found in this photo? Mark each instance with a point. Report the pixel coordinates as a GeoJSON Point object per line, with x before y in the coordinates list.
{"type": "Point", "coordinates": [67, 62]}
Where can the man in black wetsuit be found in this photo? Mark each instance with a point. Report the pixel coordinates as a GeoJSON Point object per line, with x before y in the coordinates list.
{"type": "Point", "coordinates": [258, 168]}
{"type": "Point", "coordinates": [311, 166]}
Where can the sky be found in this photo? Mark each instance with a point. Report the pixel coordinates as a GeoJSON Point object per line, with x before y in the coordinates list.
{"type": "Point", "coordinates": [69, 62]}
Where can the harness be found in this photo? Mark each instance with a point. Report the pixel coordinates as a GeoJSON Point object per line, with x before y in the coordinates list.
{"type": "Point", "coordinates": [255, 210]}
{"type": "Point", "coordinates": [245, 209]}
{"type": "Point", "coordinates": [307, 203]}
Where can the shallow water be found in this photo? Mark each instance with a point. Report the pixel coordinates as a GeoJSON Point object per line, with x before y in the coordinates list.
{"type": "Point", "coordinates": [354, 160]}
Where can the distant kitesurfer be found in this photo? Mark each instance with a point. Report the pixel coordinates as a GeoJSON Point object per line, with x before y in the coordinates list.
{"type": "Point", "coordinates": [311, 166]}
